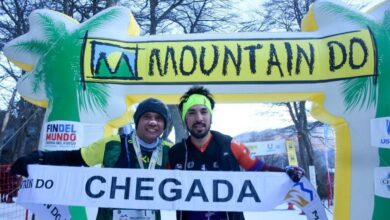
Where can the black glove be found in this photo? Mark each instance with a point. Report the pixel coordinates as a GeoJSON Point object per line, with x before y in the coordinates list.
{"type": "Point", "coordinates": [20, 165]}
{"type": "Point", "coordinates": [295, 173]}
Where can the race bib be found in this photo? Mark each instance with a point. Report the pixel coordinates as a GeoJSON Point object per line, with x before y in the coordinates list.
{"type": "Point", "coordinates": [127, 214]}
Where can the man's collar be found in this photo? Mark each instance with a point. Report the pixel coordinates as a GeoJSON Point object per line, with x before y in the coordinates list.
{"type": "Point", "coordinates": [202, 148]}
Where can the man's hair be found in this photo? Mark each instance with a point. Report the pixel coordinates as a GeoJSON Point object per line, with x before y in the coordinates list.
{"type": "Point", "coordinates": [196, 90]}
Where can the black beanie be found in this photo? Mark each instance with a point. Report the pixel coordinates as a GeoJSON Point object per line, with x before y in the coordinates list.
{"type": "Point", "coordinates": [151, 105]}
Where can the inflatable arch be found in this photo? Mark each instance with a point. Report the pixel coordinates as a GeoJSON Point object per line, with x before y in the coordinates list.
{"type": "Point", "coordinates": [89, 75]}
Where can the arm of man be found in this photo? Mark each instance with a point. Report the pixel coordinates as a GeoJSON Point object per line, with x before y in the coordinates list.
{"type": "Point", "coordinates": [70, 158]}
{"type": "Point", "coordinates": [87, 156]}
{"type": "Point", "coordinates": [242, 155]}
{"type": "Point", "coordinates": [93, 154]}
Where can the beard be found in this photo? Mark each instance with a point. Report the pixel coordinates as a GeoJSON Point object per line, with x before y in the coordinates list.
{"type": "Point", "coordinates": [197, 133]}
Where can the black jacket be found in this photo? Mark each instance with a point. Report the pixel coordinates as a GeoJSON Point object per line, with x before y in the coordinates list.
{"type": "Point", "coordinates": [217, 156]}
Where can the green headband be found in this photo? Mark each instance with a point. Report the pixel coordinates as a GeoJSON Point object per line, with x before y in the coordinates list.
{"type": "Point", "coordinates": [195, 99]}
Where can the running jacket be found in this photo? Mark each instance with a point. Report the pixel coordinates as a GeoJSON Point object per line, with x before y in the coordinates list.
{"type": "Point", "coordinates": [221, 153]}
{"type": "Point", "coordinates": [111, 152]}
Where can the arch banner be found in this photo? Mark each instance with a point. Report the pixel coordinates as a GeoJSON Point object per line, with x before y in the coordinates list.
{"type": "Point", "coordinates": [89, 75]}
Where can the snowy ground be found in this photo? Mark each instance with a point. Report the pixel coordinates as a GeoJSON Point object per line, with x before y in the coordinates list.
{"type": "Point", "coordinates": [16, 212]}
{"type": "Point", "coordinates": [12, 211]}
{"type": "Point", "coordinates": [279, 213]}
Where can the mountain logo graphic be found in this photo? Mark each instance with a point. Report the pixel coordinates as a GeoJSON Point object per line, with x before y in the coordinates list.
{"type": "Point", "coordinates": [111, 61]}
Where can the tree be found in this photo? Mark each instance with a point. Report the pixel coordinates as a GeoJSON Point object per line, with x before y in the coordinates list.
{"type": "Point", "coordinates": [197, 17]}
{"type": "Point", "coordinates": [152, 15]}
{"type": "Point", "coordinates": [27, 118]}
{"type": "Point", "coordinates": [297, 111]}
{"type": "Point", "coordinates": [160, 16]}
{"type": "Point", "coordinates": [14, 23]}
{"type": "Point", "coordinates": [290, 18]}
{"type": "Point", "coordinates": [9, 94]}
{"type": "Point", "coordinates": [202, 16]}
{"type": "Point", "coordinates": [287, 15]}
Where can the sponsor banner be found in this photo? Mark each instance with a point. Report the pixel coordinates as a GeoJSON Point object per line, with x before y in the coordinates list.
{"type": "Point", "coordinates": [166, 189]}
{"type": "Point", "coordinates": [291, 153]}
{"type": "Point", "coordinates": [240, 60]}
{"type": "Point", "coordinates": [267, 147]}
{"type": "Point", "coordinates": [380, 132]}
{"type": "Point", "coordinates": [382, 181]}
{"type": "Point", "coordinates": [62, 135]}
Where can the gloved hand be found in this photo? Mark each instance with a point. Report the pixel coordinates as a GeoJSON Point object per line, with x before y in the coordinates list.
{"type": "Point", "coordinates": [295, 173]}
{"type": "Point", "coordinates": [20, 165]}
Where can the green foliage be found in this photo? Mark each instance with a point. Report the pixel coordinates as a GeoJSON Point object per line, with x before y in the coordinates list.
{"type": "Point", "coordinates": [94, 97]}
{"type": "Point", "coordinates": [53, 30]}
{"type": "Point", "coordinates": [359, 92]}
{"type": "Point", "coordinates": [33, 46]}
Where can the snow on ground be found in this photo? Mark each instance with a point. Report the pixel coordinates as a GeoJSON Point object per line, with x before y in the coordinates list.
{"type": "Point", "coordinates": [279, 213]}
{"type": "Point", "coordinates": [16, 212]}
{"type": "Point", "coordinates": [12, 211]}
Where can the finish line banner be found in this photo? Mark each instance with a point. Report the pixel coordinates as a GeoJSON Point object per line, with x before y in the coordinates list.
{"type": "Point", "coordinates": [165, 190]}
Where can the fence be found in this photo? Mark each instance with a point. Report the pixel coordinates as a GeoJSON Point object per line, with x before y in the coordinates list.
{"type": "Point", "coordinates": [9, 184]}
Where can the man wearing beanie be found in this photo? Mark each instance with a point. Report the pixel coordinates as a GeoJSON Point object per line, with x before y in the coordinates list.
{"type": "Point", "coordinates": [210, 150]}
{"type": "Point", "coordinates": [142, 149]}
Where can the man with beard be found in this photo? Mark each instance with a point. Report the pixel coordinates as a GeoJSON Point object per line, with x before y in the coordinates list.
{"type": "Point", "coordinates": [211, 150]}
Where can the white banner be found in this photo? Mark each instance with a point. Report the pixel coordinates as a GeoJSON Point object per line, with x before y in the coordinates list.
{"type": "Point", "coordinates": [380, 132]}
{"type": "Point", "coordinates": [267, 147]}
{"type": "Point", "coordinates": [382, 181]}
{"type": "Point", "coordinates": [167, 189]}
{"type": "Point", "coordinates": [48, 211]}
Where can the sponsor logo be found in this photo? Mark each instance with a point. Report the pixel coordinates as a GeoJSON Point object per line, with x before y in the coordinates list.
{"type": "Point", "coordinates": [110, 61]}
{"type": "Point", "coordinates": [293, 196]}
{"type": "Point", "coordinates": [386, 141]}
{"type": "Point", "coordinates": [388, 126]}
{"type": "Point", "coordinates": [62, 134]}
{"type": "Point", "coordinates": [386, 181]}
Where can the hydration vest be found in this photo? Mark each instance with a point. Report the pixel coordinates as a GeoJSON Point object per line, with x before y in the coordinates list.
{"type": "Point", "coordinates": [217, 156]}
{"type": "Point", "coordinates": [116, 156]}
